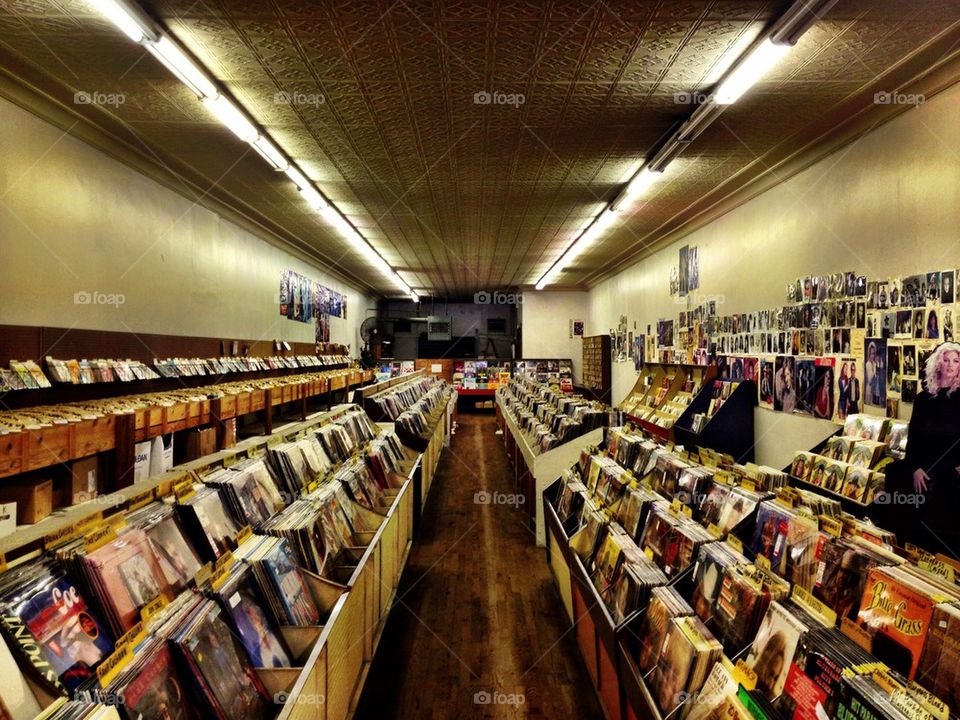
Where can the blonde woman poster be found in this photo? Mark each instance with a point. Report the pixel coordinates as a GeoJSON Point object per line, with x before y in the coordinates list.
{"type": "Point", "coordinates": [933, 445]}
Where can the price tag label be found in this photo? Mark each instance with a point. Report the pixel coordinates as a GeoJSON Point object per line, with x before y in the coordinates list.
{"type": "Point", "coordinates": [99, 537]}
{"type": "Point", "coordinates": [763, 562]}
{"type": "Point", "coordinates": [745, 675]}
{"type": "Point", "coordinates": [734, 542]}
{"type": "Point", "coordinates": [246, 532]}
{"type": "Point", "coordinates": [153, 607]}
{"type": "Point", "coordinates": [3, 562]}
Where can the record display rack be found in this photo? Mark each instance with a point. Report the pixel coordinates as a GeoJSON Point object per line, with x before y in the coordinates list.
{"type": "Point", "coordinates": [365, 397]}
{"type": "Point", "coordinates": [597, 368]}
{"type": "Point", "coordinates": [430, 445]}
{"type": "Point", "coordinates": [607, 649]}
{"type": "Point", "coordinates": [677, 376]}
{"type": "Point", "coordinates": [335, 657]}
{"type": "Point", "coordinates": [729, 430]}
{"type": "Point", "coordinates": [533, 472]}
{"type": "Point", "coordinates": [30, 450]}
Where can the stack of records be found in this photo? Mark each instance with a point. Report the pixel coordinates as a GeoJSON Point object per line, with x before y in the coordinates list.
{"type": "Point", "coordinates": [712, 565]}
{"type": "Point", "coordinates": [178, 560]}
{"type": "Point", "coordinates": [726, 506]}
{"type": "Point", "coordinates": [817, 504]}
{"type": "Point", "coordinates": [745, 594]}
{"type": "Point", "coordinates": [813, 685]}
{"type": "Point", "coordinates": [267, 486]}
{"type": "Point", "coordinates": [718, 698]}
{"type": "Point", "coordinates": [243, 606]}
{"type": "Point", "coordinates": [288, 598]}
{"type": "Point", "coordinates": [789, 539]}
{"type": "Point", "coordinates": [125, 575]}
{"type": "Point", "coordinates": [297, 464]}
{"type": "Point", "coordinates": [939, 668]}
{"type": "Point", "coordinates": [666, 474]}
{"type": "Point", "coordinates": [666, 605]}
{"type": "Point", "coordinates": [63, 709]}
{"type": "Point", "coordinates": [385, 456]}
{"type": "Point", "coordinates": [772, 652]}
{"type": "Point", "coordinates": [896, 611]}
{"type": "Point", "coordinates": [634, 508]}
{"type": "Point", "coordinates": [152, 686]}
{"type": "Point", "coordinates": [770, 480]}
{"type": "Point", "coordinates": [689, 652]}
{"type": "Point", "coordinates": [360, 484]}
{"type": "Point", "coordinates": [674, 540]}
{"type": "Point", "coordinates": [51, 626]}
{"type": "Point", "coordinates": [207, 523]}
{"type": "Point", "coordinates": [224, 680]}
{"type": "Point", "coordinates": [629, 590]}
{"type": "Point", "coordinates": [886, 694]}
{"type": "Point", "coordinates": [866, 427]}
{"type": "Point", "coordinates": [842, 573]}
{"type": "Point", "coordinates": [359, 426]}
{"type": "Point", "coordinates": [692, 485]}
{"type": "Point", "coordinates": [337, 443]}
{"type": "Point", "coordinates": [240, 491]}
{"type": "Point", "coordinates": [18, 701]}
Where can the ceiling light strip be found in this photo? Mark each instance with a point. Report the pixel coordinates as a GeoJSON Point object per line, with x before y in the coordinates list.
{"type": "Point", "coordinates": [762, 56]}
{"type": "Point", "coordinates": [138, 26]}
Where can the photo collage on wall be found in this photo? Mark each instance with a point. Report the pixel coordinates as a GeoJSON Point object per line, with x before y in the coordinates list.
{"type": "Point", "coordinates": [303, 300]}
{"type": "Point", "coordinates": [842, 343]}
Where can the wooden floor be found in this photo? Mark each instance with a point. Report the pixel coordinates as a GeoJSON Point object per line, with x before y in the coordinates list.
{"type": "Point", "coordinates": [478, 616]}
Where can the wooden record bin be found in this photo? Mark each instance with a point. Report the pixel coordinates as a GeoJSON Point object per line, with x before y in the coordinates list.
{"type": "Point", "coordinates": [333, 658]}
{"type": "Point", "coordinates": [365, 397]}
{"type": "Point", "coordinates": [671, 377]}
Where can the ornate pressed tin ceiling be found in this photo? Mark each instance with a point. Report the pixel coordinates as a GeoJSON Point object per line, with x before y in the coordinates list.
{"type": "Point", "coordinates": [469, 140]}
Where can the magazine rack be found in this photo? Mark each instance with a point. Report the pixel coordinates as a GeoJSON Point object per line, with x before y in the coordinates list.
{"type": "Point", "coordinates": [532, 472]}
{"type": "Point", "coordinates": [642, 395]}
{"type": "Point", "coordinates": [730, 429]}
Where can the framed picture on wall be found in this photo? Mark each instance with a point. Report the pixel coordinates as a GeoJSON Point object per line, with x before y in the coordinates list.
{"type": "Point", "coordinates": [576, 328]}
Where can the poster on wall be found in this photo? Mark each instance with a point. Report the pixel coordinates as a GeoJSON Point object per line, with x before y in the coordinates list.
{"type": "Point", "coordinates": [693, 273]}
{"type": "Point", "coordinates": [323, 328]}
{"type": "Point", "coordinates": [576, 328]}
{"type": "Point", "coordinates": [875, 373]}
{"type": "Point", "coordinates": [684, 270]}
{"type": "Point", "coordinates": [302, 299]}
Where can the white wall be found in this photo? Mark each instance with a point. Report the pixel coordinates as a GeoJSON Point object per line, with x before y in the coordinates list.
{"type": "Point", "coordinates": [546, 317]}
{"type": "Point", "coordinates": [73, 219]}
{"type": "Point", "coordinates": [886, 205]}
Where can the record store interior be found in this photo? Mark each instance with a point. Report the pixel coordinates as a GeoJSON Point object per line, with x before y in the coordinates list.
{"type": "Point", "coordinates": [479, 359]}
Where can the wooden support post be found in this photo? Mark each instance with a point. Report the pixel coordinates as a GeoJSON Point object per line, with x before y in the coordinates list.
{"type": "Point", "coordinates": [216, 419]}
{"type": "Point", "coordinates": [268, 411]}
{"type": "Point", "coordinates": [125, 429]}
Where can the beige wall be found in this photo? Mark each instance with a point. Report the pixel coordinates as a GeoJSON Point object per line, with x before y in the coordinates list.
{"type": "Point", "coordinates": [72, 219]}
{"type": "Point", "coordinates": [546, 317]}
{"type": "Point", "coordinates": [886, 205]}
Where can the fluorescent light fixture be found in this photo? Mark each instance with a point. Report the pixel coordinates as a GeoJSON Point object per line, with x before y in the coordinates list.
{"type": "Point", "coordinates": [230, 115]}
{"type": "Point", "coordinates": [269, 152]}
{"type": "Point", "coordinates": [314, 199]}
{"type": "Point", "coordinates": [124, 18]}
{"type": "Point", "coordinates": [183, 67]}
{"type": "Point", "coordinates": [638, 185]}
{"type": "Point", "coordinates": [293, 172]}
{"type": "Point", "coordinates": [414, 296]}
{"type": "Point", "coordinates": [749, 71]}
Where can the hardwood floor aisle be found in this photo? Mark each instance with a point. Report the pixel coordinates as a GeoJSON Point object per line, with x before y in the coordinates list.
{"type": "Point", "coordinates": [478, 615]}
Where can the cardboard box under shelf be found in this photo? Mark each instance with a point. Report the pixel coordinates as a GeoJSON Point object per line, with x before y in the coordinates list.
{"type": "Point", "coordinates": [8, 519]}
{"type": "Point", "coordinates": [82, 483]}
{"type": "Point", "coordinates": [200, 442]}
{"type": "Point", "coordinates": [34, 498]}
